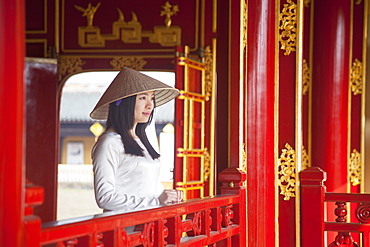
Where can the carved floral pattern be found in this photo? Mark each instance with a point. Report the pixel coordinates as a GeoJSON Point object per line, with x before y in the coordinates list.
{"type": "Point", "coordinates": [69, 65]}
{"type": "Point", "coordinates": [288, 27]}
{"type": "Point", "coordinates": [355, 168]}
{"type": "Point", "coordinates": [356, 77]}
{"type": "Point", "coordinates": [306, 77]}
{"type": "Point", "coordinates": [287, 172]}
{"type": "Point", "coordinates": [136, 63]}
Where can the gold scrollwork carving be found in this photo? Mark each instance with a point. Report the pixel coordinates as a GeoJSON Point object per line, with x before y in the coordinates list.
{"type": "Point", "coordinates": [306, 3]}
{"type": "Point", "coordinates": [130, 31]}
{"type": "Point", "coordinates": [208, 61]}
{"type": "Point", "coordinates": [69, 65]}
{"type": "Point", "coordinates": [305, 159]}
{"type": "Point", "coordinates": [287, 172]}
{"type": "Point", "coordinates": [355, 168]}
{"type": "Point", "coordinates": [356, 77]}
{"type": "Point", "coordinates": [136, 63]}
{"type": "Point", "coordinates": [244, 159]}
{"type": "Point", "coordinates": [288, 27]}
{"type": "Point", "coordinates": [306, 77]}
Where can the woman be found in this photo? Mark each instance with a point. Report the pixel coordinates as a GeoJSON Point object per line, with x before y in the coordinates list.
{"type": "Point", "coordinates": [126, 166]}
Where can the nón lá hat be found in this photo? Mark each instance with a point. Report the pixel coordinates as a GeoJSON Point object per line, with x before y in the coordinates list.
{"type": "Point", "coordinates": [130, 82]}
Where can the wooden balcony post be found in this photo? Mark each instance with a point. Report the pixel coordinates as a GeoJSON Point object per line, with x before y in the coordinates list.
{"type": "Point", "coordinates": [32, 223]}
{"type": "Point", "coordinates": [233, 180]}
{"type": "Point", "coordinates": [312, 207]}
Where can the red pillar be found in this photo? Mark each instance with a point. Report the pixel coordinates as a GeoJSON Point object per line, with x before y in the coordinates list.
{"type": "Point", "coordinates": [12, 44]}
{"type": "Point", "coordinates": [260, 122]}
{"type": "Point", "coordinates": [330, 75]}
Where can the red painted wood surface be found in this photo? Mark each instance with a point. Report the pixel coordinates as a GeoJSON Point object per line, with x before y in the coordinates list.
{"type": "Point", "coordinates": [11, 122]}
{"type": "Point", "coordinates": [314, 222]}
{"type": "Point", "coordinates": [260, 121]}
{"type": "Point", "coordinates": [330, 74]}
{"type": "Point", "coordinates": [42, 124]}
{"type": "Point", "coordinates": [287, 132]}
{"type": "Point", "coordinates": [219, 219]}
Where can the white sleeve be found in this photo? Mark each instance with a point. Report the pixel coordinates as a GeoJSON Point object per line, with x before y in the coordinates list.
{"type": "Point", "coordinates": [105, 157]}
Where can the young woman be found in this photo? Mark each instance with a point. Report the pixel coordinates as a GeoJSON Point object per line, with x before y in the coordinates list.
{"type": "Point", "coordinates": [126, 166]}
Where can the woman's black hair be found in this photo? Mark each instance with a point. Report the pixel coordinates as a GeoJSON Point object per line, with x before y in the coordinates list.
{"type": "Point", "coordinates": [121, 118]}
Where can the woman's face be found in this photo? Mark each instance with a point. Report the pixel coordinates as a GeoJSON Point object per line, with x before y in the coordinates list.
{"type": "Point", "coordinates": [143, 107]}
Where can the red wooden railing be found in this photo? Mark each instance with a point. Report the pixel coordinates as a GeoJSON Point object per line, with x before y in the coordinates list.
{"type": "Point", "coordinates": [314, 200]}
{"type": "Point", "coordinates": [198, 222]}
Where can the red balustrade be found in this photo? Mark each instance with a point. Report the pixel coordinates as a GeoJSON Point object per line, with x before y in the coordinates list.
{"type": "Point", "coordinates": [314, 200]}
{"type": "Point", "coordinates": [198, 222]}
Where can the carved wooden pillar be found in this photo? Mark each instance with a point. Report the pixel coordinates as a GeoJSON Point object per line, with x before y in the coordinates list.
{"type": "Point", "coordinates": [11, 122]}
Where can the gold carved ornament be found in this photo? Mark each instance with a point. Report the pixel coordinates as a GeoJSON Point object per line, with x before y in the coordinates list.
{"type": "Point", "coordinates": [355, 168]}
{"type": "Point", "coordinates": [245, 27]}
{"type": "Point", "coordinates": [306, 78]}
{"type": "Point", "coordinates": [287, 172]}
{"type": "Point", "coordinates": [208, 62]}
{"type": "Point", "coordinates": [305, 159]}
{"type": "Point", "coordinates": [69, 65]}
{"type": "Point", "coordinates": [136, 63]}
{"type": "Point", "coordinates": [356, 77]}
{"type": "Point", "coordinates": [306, 3]}
{"type": "Point", "coordinates": [288, 27]}
{"type": "Point", "coordinates": [130, 31]}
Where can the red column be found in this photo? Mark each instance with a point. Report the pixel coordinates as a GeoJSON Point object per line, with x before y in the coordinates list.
{"type": "Point", "coordinates": [260, 122]}
{"type": "Point", "coordinates": [330, 75]}
{"type": "Point", "coordinates": [11, 122]}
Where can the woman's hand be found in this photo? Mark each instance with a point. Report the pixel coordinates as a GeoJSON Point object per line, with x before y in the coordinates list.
{"type": "Point", "coordinates": [170, 196]}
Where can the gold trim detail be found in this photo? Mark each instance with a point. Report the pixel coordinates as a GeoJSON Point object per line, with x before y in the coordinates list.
{"type": "Point", "coordinates": [244, 159]}
{"type": "Point", "coordinates": [208, 62]}
{"type": "Point", "coordinates": [288, 27]}
{"type": "Point", "coordinates": [207, 164]}
{"type": "Point", "coordinates": [245, 28]}
{"type": "Point", "coordinates": [356, 77]}
{"type": "Point", "coordinates": [306, 77]}
{"type": "Point", "coordinates": [355, 168]}
{"type": "Point", "coordinates": [305, 159]}
{"type": "Point", "coordinates": [136, 63]}
{"type": "Point", "coordinates": [287, 172]}
{"type": "Point", "coordinates": [306, 3]}
{"type": "Point", "coordinates": [128, 32]}
{"type": "Point", "coordinates": [69, 65]}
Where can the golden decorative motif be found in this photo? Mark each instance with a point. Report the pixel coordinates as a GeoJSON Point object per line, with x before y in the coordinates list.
{"type": "Point", "coordinates": [208, 62]}
{"type": "Point", "coordinates": [287, 172]}
{"type": "Point", "coordinates": [168, 11]}
{"type": "Point", "coordinates": [245, 28]}
{"type": "Point", "coordinates": [358, 1]}
{"type": "Point", "coordinates": [306, 3]}
{"type": "Point", "coordinates": [306, 77]}
{"type": "Point", "coordinates": [305, 159]}
{"type": "Point", "coordinates": [288, 27]}
{"type": "Point", "coordinates": [356, 77]}
{"type": "Point", "coordinates": [244, 159]}
{"type": "Point", "coordinates": [89, 12]}
{"type": "Point", "coordinates": [207, 165]}
{"type": "Point", "coordinates": [355, 168]}
{"type": "Point", "coordinates": [130, 31]}
{"type": "Point", "coordinates": [136, 63]}
{"type": "Point", "coordinates": [69, 65]}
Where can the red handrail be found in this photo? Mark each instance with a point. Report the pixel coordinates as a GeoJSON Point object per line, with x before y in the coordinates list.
{"type": "Point", "coordinates": [197, 222]}
{"type": "Point", "coordinates": [313, 206]}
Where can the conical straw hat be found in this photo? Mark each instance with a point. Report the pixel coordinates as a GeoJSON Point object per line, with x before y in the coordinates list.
{"type": "Point", "coordinates": [129, 82]}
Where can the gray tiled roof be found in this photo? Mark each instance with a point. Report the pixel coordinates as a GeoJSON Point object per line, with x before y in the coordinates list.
{"type": "Point", "coordinates": [76, 107]}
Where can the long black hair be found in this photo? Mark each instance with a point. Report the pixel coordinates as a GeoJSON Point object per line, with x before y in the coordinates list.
{"type": "Point", "coordinates": [121, 118]}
